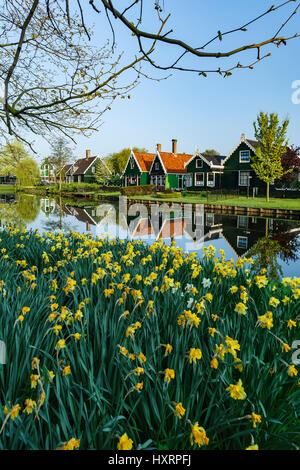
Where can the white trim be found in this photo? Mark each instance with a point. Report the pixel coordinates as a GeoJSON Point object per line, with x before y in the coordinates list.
{"type": "Point", "coordinates": [159, 157]}
{"type": "Point", "coordinates": [94, 160]}
{"type": "Point", "coordinates": [238, 240]}
{"type": "Point", "coordinates": [212, 185]}
{"type": "Point", "coordinates": [242, 140]}
{"type": "Point", "coordinates": [198, 154]}
{"type": "Point", "coordinates": [131, 155]}
{"type": "Point", "coordinates": [199, 173]}
{"type": "Point", "coordinates": [244, 161]}
{"type": "Point", "coordinates": [248, 179]}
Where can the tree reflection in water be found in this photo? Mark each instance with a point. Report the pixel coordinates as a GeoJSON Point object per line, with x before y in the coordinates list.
{"type": "Point", "coordinates": [20, 212]}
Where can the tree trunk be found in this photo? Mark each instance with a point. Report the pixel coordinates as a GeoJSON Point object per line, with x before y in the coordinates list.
{"type": "Point", "coordinates": [60, 182]}
{"type": "Point", "coordinates": [268, 192]}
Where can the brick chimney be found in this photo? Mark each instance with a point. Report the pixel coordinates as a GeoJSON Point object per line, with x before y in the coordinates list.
{"type": "Point", "coordinates": [87, 154]}
{"type": "Point", "coordinates": [158, 147]}
{"type": "Point", "coordinates": [174, 146]}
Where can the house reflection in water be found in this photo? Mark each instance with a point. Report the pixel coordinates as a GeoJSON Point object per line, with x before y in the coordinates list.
{"type": "Point", "coordinates": [239, 233]}
{"type": "Point", "coordinates": [102, 217]}
{"type": "Point", "coordinates": [191, 229]}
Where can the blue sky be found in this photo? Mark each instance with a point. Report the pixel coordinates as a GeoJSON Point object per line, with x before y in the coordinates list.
{"type": "Point", "coordinates": [201, 113]}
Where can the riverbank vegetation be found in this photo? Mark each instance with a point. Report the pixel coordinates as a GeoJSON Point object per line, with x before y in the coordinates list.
{"type": "Point", "coordinates": [113, 344]}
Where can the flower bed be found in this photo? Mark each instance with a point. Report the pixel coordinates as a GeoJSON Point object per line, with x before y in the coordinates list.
{"type": "Point", "coordinates": [115, 345]}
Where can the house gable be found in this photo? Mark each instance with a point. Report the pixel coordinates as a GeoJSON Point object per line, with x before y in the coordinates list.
{"type": "Point", "coordinates": [132, 166]}
{"type": "Point", "coordinates": [233, 158]}
{"type": "Point", "coordinates": [157, 167]}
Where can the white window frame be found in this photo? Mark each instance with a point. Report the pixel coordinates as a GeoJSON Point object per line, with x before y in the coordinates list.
{"type": "Point", "coordinates": [239, 238]}
{"type": "Point", "coordinates": [211, 183]}
{"type": "Point", "coordinates": [189, 180]}
{"type": "Point", "coordinates": [240, 221]}
{"type": "Point", "coordinates": [248, 179]}
{"type": "Point", "coordinates": [244, 161]}
{"type": "Point", "coordinates": [198, 160]}
{"type": "Point", "coordinates": [199, 183]}
{"type": "Point", "coordinates": [210, 219]}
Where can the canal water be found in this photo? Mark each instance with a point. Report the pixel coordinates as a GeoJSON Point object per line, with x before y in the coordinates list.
{"type": "Point", "coordinates": [274, 244]}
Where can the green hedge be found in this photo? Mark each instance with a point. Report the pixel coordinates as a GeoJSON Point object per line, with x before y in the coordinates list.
{"type": "Point", "coordinates": [138, 190]}
{"type": "Point", "coordinates": [70, 187]}
{"type": "Point", "coordinates": [195, 193]}
{"type": "Point", "coordinates": [173, 195]}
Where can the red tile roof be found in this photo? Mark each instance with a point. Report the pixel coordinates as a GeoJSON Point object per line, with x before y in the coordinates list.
{"type": "Point", "coordinates": [144, 160]}
{"type": "Point", "coordinates": [174, 163]}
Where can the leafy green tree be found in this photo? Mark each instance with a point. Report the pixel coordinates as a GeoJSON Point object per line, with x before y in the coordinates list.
{"type": "Point", "coordinates": [102, 172]}
{"type": "Point", "coordinates": [118, 160]}
{"type": "Point", "coordinates": [271, 137]}
{"type": "Point", "coordinates": [60, 156]}
{"type": "Point", "coordinates": [211, 152]}
{"type": "Point", "coordinates": [27, 172]}
{"type": "Point", "coordinates": [10, 156]}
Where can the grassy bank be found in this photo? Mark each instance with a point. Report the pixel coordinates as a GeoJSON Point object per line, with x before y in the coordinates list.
{"type": "Point", "coordinates": [7, 188]}
{"type": "Point", "coordinates": [274, 203]}
{"type": "Point", "coordinates": [123, 345]}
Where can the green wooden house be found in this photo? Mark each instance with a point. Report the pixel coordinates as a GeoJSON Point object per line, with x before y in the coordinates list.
{"type": "Point", "coordinates": [136, 171]}
{"type": "Point", "coordinates": [238, 172]}
{"type": "Point", "coordinates": [83, 170]}
{"type": "Point", "coordinates": [162, 169]}
{"type": "Point", "coordinates": [168, 169]}
{"type": "Point", "coordinates": [47, 171]}
{"type": "Point", "coordinates": [204, 172]}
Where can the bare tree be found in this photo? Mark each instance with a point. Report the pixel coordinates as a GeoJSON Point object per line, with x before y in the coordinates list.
{"type": "Point", "coordinates": [60, 156]}
{"type": "Point", "coordinates": [53, 77]}
{"type": "Point", "coordinates": [132, 16]}
{"type": "Point", "coordinates": [55, 80]}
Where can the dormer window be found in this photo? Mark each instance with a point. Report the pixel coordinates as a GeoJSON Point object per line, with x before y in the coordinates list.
{"type": "Point", "coordinates": [244, 156]}
{"type": "Point", "coordinates": [199, 163]}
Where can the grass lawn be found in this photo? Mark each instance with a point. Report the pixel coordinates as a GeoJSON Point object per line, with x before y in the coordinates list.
{"type": "Point", "coordinates": [7, 188]}
{"type": "Point", "coordinates": [274, 203]}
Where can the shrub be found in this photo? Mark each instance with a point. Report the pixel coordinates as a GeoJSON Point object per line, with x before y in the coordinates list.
{"type": "Point", "coordinates": [172, 195]}
{"type": "Point", "coordinates": [195, 193]}
{"type": "Point", "coordinates": [138, 190]}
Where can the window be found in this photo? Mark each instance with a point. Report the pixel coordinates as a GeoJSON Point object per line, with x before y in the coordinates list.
{"type": "Point", "coordinates": [244, 156]}
{"type": "Point", "coordinates": [199, 179]}
{"type": "Point", "coordinates": [199, 163]}
{"type": "Point", "coordinates": [242, 242]}
{"type": "Point", "coordinates": [242, 221]}
{"type": "Point", "coordinates": [244, 178]}
{"type": "Point", "coordinates": [156, 166]}
{"type": "Point", "coordinates": [210, 179]}
{"type": "Point", "coordinates": [210, 220]}
{"type": "Point", "coordinates": [131, 163]}
{"type": "Point", "coordinates": [93, 169]}
{"type": "Point", "coordinates": [189, 180]}
{"type": "Point", "coordinates": [180, 181]}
